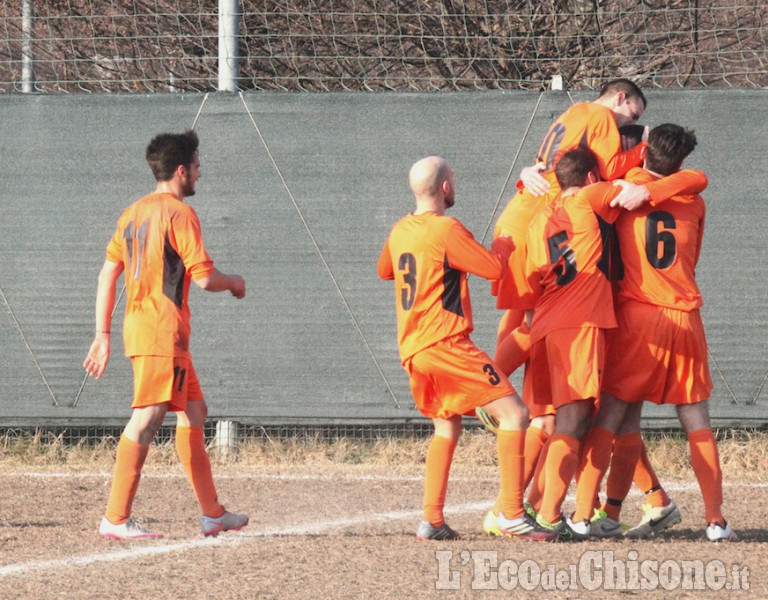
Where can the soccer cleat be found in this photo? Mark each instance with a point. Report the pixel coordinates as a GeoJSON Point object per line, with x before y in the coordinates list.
{"type": "Point", "coordinates": [487, 419]}
{"type": "Point", "coordinates": [491, 524]}
{"type": "Point", "coordinates": [601, 525]}
{"type": "Point", "coordinates": [720, 533]}
{"type": "Point", "coordinates": [226, 522]}
{"type": "Point", "coordinates": [655, 519]}
{"type": "Point", "coordinates": [427, 531]}
{"type": "Point", "coordinates": [530, 511]}
{"type": "Point", "coordinates": [564, 530]}
{"type": "Point", "coordinates": [130, 530]}
{"type": "Point", "coordinates": [524, 527]}
{"type": "Point", "coordinates": [582, 529]}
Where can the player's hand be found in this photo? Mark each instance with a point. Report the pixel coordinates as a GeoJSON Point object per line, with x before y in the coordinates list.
{"type": "Point", "coordinates": [533, 181]}
{"type": "Point", "coordinates": [98, 355]}
{"type": "Point", "coordinates": [237, 286]}
{"type": "Point", "coordinates": [632, 196]}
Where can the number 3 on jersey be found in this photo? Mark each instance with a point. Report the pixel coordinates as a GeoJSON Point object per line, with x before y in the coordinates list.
{"type": "Point", "coordinates": [407, 266]}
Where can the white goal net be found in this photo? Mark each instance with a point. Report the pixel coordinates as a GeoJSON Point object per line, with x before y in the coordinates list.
{"type": "Point", "coordinates": [328, 45]}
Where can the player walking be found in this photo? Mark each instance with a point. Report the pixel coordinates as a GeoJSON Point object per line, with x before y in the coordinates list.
{"type": "Point", "coordinates": [158, 243]}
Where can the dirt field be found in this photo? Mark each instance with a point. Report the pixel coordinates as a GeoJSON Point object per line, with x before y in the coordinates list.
{"type": "Point", "coordinates": [329, 529]}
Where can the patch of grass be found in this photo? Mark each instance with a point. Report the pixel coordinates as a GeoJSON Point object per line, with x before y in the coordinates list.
{"type": "Point", "coordinates": [743, 453]}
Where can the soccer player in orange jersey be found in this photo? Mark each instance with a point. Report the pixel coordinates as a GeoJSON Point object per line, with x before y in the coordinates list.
{"type": "Point", "coordinates": [588, 124]}
{"type": "Point", "coordinates": [428, 255]}
{"type": "Point", "coordinates": [158, 243]}
{"type": "Point", "coordinates": [568, 273]}
{"type": "Point", "coordinates": [659, 351]}
{"type": "Point", "coordinates": [595, 125]}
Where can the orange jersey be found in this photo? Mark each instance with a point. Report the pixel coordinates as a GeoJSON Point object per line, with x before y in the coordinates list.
{"type": "Point", "coordinates": [159, 242]}
{"type": "Point", "coordinates": [429, 256]}
{"type": "Point", "coordinates": [568, 262]}
{"type": "Point", "coordinates": [512, 290]}
{"type": "Point", "coordinates": [683, 185]}
{"type": "Point", "coordinates": [589, 125]}
{"type": "Point", "coordinates": [660, 246]}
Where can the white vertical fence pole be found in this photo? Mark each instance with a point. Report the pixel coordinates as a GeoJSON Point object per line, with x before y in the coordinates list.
{"type": "Point", "coordinates": [229, 14]}
{"type": "Point", "coordinates": [27, 74]}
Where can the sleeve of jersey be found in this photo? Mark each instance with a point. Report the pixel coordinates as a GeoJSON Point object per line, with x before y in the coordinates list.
{"type": "Point", "coordinates": [468, 255]}
{"type": "Point", "coordinates": [701, 236]}
{"type": "Point", "coordinates": [605, 142]}
{"type": "Point", "coordinates": [384, 265]}
{"type": "Point", "coordinates": [599, 196]}
{"type": "Point", "coordinates": [683, 185]}
{"type": "Point", "coordinates": [190, 246]}
{"type": "Point", "coordinates": [115, 247]}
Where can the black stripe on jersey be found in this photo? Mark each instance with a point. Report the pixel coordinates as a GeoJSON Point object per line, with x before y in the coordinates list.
{"type": "Point", "coordinates": [452, 289]}
{"type": "Point", "coordinates": [173, 274]}
{"type": "Point", "coordinates": [610, 263]}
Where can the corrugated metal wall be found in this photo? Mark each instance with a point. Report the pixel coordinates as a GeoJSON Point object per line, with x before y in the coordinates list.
{"type": "Point", "coordinates": [298, 193]}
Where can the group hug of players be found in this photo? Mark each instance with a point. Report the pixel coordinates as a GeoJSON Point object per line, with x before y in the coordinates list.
{"type": "Point", "coordinates": [593, 264]}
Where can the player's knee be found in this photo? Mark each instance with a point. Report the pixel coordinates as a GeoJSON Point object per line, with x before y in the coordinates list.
{"type": "Point", "coordinates": [510, 412]}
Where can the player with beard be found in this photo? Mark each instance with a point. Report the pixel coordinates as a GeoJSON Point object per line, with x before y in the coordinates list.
{"type": "Point", "coordinates": [159, 245]}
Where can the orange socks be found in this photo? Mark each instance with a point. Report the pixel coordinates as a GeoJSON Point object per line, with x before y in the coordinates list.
{"type": "Point", "coordinates": [125, 479]}
{"type": "Point", "coordinates": [190, 446]}
{"type": "Point", "coordinates": [536, 489]}
{"type": "Point", "coordinates": [645, 478]}
{"type": "Point", "coordinates": [596, 456]}
{"type": "Point", "coordinates": [705, 460]}
{"type": "Point", "coordinates": [438, 467]}
{"type": "Point", "coordinates": [535, 439]}
{"type": "Point", "coordinates": [509, 447]}
{"type": "Point", "coordinates": [561, 465]}
{"type": "Point", "coordinates": [627, 449]}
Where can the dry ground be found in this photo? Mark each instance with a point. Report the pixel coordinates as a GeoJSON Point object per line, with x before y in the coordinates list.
{"type": "Point", "coordinates": [336, 520]}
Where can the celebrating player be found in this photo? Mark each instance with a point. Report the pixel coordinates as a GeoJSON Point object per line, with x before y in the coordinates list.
{"type": "Point", "coordinates": [158, 243]}
{"type": "Point", "coordinates": [595, 125]}
{"type": "Point", "coordinates": [660, 349]}
{"type": "Point", "coordinates": [428, 255]}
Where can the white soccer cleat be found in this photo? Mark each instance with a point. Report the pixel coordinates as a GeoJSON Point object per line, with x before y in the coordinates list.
{"type": "Point", "coordinates": [226, 522]}
{"type": "Point", "coordinates": [130, 530]}
{"type": "Point", "coordinates": [717, 533]}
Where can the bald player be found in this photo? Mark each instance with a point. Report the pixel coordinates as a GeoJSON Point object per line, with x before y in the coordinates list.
{"type": "Point", "coordinates": [428, 255]}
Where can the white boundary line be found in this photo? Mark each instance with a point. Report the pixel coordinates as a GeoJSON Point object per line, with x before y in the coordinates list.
{"type": "Point", "coordinates": [228, 540]}
{"type": "Point", "coordinates": [330, 477]}
{"type": "Point", "coordinates": [235, 540]}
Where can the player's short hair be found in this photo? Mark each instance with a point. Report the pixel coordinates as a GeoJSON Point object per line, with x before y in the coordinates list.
{"type": "Point", "coordinates": [573, 166]}
{"type": "Point", "coordinates": [630, 89]}
{"type": "Point", "coordinates": [167, 151]}
{"type": "Point", "coordinates": [634, 133]}
{"type": "Point", "coordinates": [668, 145]}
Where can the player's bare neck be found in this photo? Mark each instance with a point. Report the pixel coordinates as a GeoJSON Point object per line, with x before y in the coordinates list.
{"type": "Point", "coordinates": [424, 207]}
{"type": "Point", "coordinates": [170, 187]}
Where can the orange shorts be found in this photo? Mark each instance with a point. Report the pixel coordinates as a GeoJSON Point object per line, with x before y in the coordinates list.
{"type": "Point", "coordinates": [158, 379]}
{"type": "Point", "coordinates": [535, 409]}
{"type": "Point", "coordinates": [453, 377]}
{"type": "Point", "coordinates": [657, 354]}
{"type": "Point", "coordinates": [566, 365]}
